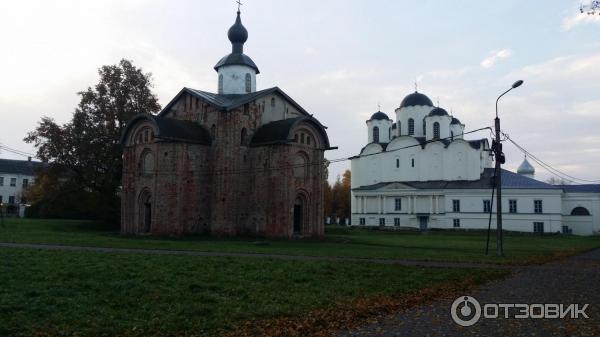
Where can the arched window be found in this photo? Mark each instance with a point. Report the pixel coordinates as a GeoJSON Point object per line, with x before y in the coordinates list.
{"type": "Point", "coordinates": [397, 162]}
{"type": "Point", "coordinates": [220, 84]}
{"type": "Point", "coordinates": [399, 129]}
{"type": "Point", "coordinates": [436, 130]}
{"type": "Point", "coordinates": [302, 138]}
{"type": "Point", "coordinates": [213, 131]}
{"type": "Point", "coordinates": [411, 126]}
{"type": "Point", "coordinates": [412, 162]}
{"type": "Point", "coordinates": [273, 102]}
{"type": "Point", "coordinates": [580, 211]}
{"type": "Point", "coordinates": [300, 166]}
{"type": "Point", "coordinates": [248, 83]}
{"type": "Point", "coordinates": [376, 135]}
{"type": "Point", "coordinates": [451, 135]}
{"type": "Point", "coordinates": [147, 163]}
{"type": "Point", "coordinates": [424, 128]}
{"type": "Point", "coordinates": [243, 136]}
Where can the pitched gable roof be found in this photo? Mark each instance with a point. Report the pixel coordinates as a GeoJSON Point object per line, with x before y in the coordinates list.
{"type": "Point", "coordinates": [231, 101]}
{"type": "Point", "coordinates": [24, 167]}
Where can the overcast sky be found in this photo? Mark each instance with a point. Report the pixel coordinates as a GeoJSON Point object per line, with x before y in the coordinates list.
{"type": "Point", "coordinates": [338, 59]}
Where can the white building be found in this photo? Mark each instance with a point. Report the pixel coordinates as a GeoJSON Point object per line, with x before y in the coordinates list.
{"type": "Point", "coordinates": [418, 171]}
{"type": "Point", "coordinates": [15, 177]}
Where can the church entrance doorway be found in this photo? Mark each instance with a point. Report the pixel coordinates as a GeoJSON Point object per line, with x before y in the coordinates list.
{"type": "Point", "coordinates": [147, 216]}
{"type": "Point", "coordinates": [298, 215]}
{"type": "Point", "coordinates": [423, 220]}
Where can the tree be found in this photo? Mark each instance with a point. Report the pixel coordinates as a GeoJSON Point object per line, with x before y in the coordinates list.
{"type": "Point", "coordinates": [345, 194]}
{"type": "Point", "coordinates": [557, 181]}
{"type": "Point", "coordinates": [87, 150]}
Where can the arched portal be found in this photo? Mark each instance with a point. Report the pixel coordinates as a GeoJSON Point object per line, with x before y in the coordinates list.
{"type": "Point", "coordinates": [145, 211]}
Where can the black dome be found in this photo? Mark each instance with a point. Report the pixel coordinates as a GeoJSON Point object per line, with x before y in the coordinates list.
{"type": "Point", "coordinates": [237, 33]}
{"type": "Point", "coordinates": [379, 116]}
{"type": "Point", "coordinates": [416, 98]}
{"type": "Point", "coordinates": [437, 111]}
{"type": "Point", "coordinates": [455, 121]}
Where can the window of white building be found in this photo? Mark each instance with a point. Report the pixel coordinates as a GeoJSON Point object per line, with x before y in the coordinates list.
{"type": "Point", "coordinates": [411, 126]}
{"type": "Point", "coordinates": [537, 206]}
{"type": "Point", "coordinates": [512, 206]}
{"type": "Point", "coordinates": [397, 204]}
{"type": "Point", "coordinates": [455, 206]}
{"type": "Point", "coordinates": [396, 221]}
{"type": "Point", "coordinates": [13, 182]}
{"type": "Point", "coordinates": [538, 227]}
{"type": "Point", "coordinates": [11, 199]}
{"type": "Point", "coordinates": [436, 130]}
{"type": "Point", "coordinates": [1, 181]}
{"type": "Point", "coordinates": [456, 223]}
{"type": "Point", "coordinates": [376, 135]}
{"type": "Point", "coordinates": [381, 221]}
{"type": "Point", "coordinates": [487, 206]}
{"type": "Point", "coordinates": [362, 221]}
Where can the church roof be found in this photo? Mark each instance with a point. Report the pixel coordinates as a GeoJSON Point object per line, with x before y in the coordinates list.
{"type": "Point", "coordinates": [455, 121]}
{"type": "Point", "coordinates": [379, 116]}
{"type": "Point", "coordinates": [437, 111]}
{"type": "Point", "coordinates": [24, 167]}
{"type": "Point", "coordinates": [585, 188]}
{"type": "Point", "coordinates": [237, 59]}
{"type": "Point", "coordinates": [510, 180]}
{"type": "Point", "coordinates": [416, 98]}
{"type": "Point", "coordinates": [227, 102]}
{"type": "Point", "coordinates": [170, 129]}
{"type": "Point", "coordinates": [280, 132]}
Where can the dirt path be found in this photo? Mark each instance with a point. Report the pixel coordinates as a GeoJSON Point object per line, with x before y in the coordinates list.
{"type": "Point", "coordinates": [572, 281]}
{"type": "Point", "coordinates": [440, 264]}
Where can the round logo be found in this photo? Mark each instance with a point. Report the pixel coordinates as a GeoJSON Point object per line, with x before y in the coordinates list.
{"type": "Point", "coordinates": [465, 311]}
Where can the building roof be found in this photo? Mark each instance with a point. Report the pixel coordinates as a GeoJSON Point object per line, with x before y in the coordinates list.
{"type": "Point", "coordinates": [237, 59]}
{"type": "Point", "coordinates": [416, 98]}
{"type": "Point", "coordinates": [280, 132]}
{"type": "Point", "coordinates": [437, 111]}
{"type": "Point", "coordinates": [586, 188]}
{"type": "Point", "coordinates": [227, 102]}
{"type": "Point", "coordinates": [23, 167]}
{"type": "Point", "coordinates": [510, 180]}
{"type": "Point", "coordinates": [455, 121]}
{"type": "Point", "coordinates": [170, 129]}
{"type": "Point", "coordinates": [379, 116]}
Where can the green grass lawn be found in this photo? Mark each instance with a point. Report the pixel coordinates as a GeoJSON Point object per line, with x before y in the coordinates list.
{"type": "Point", "coordinates": [59, 293]}
{"type": "Point", "coordinates": [439, 246]}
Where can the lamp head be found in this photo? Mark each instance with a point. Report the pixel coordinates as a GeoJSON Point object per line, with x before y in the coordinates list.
{"type": "Point", "coordinates": [517, 84]}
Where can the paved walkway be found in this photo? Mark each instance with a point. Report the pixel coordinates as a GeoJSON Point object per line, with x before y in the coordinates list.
{"type": "Point", "coordinates": [441, 264]}
{"type": "Point", "coordinates": [575, 280]}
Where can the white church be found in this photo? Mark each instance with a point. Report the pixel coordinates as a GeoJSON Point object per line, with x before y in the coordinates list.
{"type": "Point", "coordinates": [419, 171]}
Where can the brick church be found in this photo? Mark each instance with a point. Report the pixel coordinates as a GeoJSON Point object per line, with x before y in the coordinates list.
{"type": "Point", "coordinates": [235, 162]}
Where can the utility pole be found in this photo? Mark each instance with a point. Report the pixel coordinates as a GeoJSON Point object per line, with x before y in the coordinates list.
{"type": "Point", "coordinates": [500, 159]}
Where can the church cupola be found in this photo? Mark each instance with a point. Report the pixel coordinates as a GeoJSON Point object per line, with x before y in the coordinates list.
{"type": "Point", "coordinates": [526, 169]}
{"type": "Point", "coordinates": [237, 72]}
{"type": "Point", "coordinates": [379, 128]}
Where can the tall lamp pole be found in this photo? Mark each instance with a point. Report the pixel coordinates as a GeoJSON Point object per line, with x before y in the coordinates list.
{"type": "Point", "coordinates": [500, 159]}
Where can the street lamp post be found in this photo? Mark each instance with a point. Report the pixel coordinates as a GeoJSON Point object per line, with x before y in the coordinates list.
{"type": "Point", "coordinates": [499, 157]}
